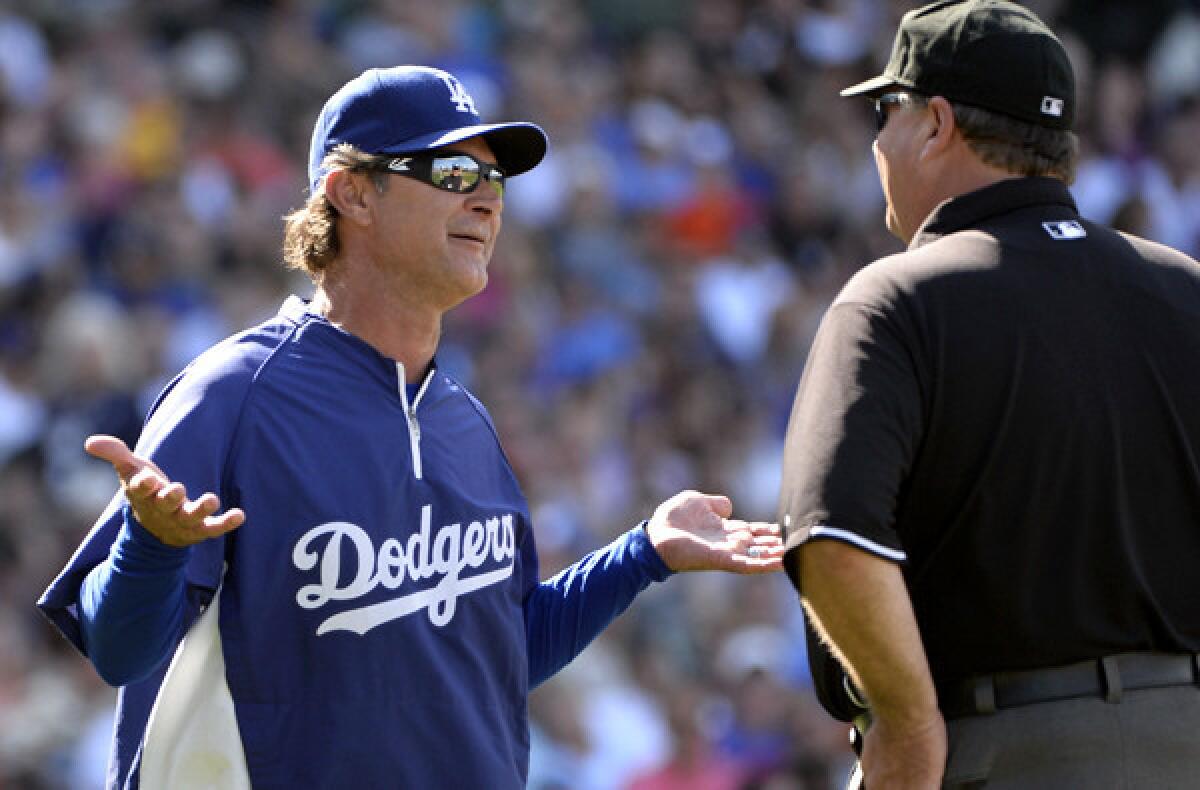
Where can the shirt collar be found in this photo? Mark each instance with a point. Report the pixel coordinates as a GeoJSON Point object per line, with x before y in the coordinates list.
{"type": "Point", "coordinates": [294, 309]}
{"type": "Point", "coordinates": [297, 310]}
{"type": "Point", "coordinates": [969, 210]}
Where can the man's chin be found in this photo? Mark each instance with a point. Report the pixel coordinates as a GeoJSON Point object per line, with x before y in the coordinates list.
{"type": "Point", "coordinates": [476, 284]}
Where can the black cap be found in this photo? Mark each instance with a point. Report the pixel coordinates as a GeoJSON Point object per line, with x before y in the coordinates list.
{"type": "Point", "coordinates": [991, 54]}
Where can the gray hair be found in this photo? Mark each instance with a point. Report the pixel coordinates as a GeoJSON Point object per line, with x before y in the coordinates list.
{"type": "Point", "coordinates": [1017, 146]}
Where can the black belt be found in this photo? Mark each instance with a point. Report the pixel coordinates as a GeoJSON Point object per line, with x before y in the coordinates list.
{"type": "Point", "coordinates": [1104, 677]}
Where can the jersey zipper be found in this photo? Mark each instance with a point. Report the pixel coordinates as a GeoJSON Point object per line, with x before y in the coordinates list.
{"type": "Point", "coordinates": [410, 415]}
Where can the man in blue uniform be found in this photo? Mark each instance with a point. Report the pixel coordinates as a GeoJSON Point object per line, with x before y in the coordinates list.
{"type": "Point", "coordinates": [366, 611]}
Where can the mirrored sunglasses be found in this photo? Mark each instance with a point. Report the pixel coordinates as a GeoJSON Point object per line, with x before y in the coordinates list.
{"type": "Point", "coordinates": [451, 171]}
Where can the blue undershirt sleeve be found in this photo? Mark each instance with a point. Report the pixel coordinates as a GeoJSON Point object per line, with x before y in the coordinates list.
{"type": "Point", "coordinates": [565, 613]}
{"type": "Point", "coordinates": [132, 606]}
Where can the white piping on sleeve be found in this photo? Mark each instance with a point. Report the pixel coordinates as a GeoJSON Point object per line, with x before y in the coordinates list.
{"type": "Point", "coordinates": [821, 530]}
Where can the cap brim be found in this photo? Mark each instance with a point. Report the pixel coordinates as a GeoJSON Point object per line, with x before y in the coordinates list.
{"type": "Point", "coordinates": [518, 145]}
{"type": "Point", "coordinates": [872, 87]}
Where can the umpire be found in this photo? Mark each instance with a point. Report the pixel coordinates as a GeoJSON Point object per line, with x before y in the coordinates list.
{"type": "Point", "coordinates": [991, 487]}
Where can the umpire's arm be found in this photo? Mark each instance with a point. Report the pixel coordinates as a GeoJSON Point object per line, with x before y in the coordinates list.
{"type": "Point", "coordinates": [852, 439]}
{"type": "Point", "coordinates": [859, 605]}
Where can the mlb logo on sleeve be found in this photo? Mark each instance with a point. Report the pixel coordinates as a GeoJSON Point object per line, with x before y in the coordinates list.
{"type": "Point", "coordinates": [1052, 106]}
{"type": "Point", "coordinates": [1065, 230]}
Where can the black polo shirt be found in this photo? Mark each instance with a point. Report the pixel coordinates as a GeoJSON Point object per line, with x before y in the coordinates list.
{"type": "Point", "coordinates": [1011, 409]}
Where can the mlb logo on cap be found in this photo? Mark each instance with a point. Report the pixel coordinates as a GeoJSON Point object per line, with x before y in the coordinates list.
{"type": "Point", "coordinates": [992, 54]}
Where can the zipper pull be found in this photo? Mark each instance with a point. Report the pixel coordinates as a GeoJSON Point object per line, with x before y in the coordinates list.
{"type": "Point", "coordinates": [415, 423]}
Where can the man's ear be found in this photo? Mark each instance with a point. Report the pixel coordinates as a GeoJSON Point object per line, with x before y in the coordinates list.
{"type": "Point", "coordinates": [347, 192]}
{"type": "Point", "coordinates": [942, 128]}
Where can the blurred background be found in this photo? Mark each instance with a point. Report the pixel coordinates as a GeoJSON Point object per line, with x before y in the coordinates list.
{"type": "Point", "coordinates": [651, 303]}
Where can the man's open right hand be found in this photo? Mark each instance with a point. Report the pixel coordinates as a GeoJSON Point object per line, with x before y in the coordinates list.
{"type": "Point", "coordinates": [162, 506]}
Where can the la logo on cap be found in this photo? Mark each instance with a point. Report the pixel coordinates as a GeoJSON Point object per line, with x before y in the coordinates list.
{"type": "Point", "coordinates": [458, 94]}
{"type": "Point", "coordinates": [1052, 106]}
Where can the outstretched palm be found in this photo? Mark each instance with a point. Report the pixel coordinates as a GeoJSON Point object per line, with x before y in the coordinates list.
{"type": "Point", "coordinates": [693, 532]}
{"type": "Point", "coordinates": [160, 505]}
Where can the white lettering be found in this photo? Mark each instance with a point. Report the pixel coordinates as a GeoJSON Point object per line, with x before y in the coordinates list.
{"type": "Point", "coordinates": [313, 595]}
{"type": "Point", "coordinates": [444, 553]}
{"type": "Point", "coordinates": [504, 546]}
{"type": "Point", "coordinates": [419, 566]}
{"type": "Point", "coordinates": [391, 563]}
{"type": "Point", "coordinates": [446, 556]}
{"type": "Point", "coordinates": [474, 550]}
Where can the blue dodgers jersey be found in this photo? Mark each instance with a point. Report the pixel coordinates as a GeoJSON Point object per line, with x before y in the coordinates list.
{"type": "Point", "coordinates": [370, 609]}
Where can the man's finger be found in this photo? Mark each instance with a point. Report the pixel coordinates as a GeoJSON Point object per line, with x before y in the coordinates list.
{"type": "Point", "coordinates": [202, 507]}
{"type": "Point", "coordinates": [762, 549]}
{"type": "Point", "coordinates": [749, 565]}
{"type": "Point", "coordinates": [144, 483]}
{"type": "Point", "coordinates": [736, 525]}
{"type": "Point", "coordinates": [720, 505]}
{"type": "Point", "coordinates": [116, 452]}
{"type": "Point", "coordinates": [170, 497]}
{"type": "Point", "coordinates": [762, 527]}
{"type": "Point", "coordinates": [229, 520]}
{"type": "Point", "coordinates": [738, 537]}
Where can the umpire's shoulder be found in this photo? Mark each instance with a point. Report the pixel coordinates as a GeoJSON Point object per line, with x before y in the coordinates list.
{"type": "Point", "coordinates": [881, 282]}
{"type": "Point", "coordinates": [1159, 253]}
{"type": "Point", "coordinates": [893, 278]}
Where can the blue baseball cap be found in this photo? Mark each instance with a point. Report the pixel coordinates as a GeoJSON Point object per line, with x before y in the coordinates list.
{"type": "Point", "coordinates": [406, 109]}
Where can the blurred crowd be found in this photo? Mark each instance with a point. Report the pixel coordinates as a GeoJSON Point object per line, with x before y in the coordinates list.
{"type": "Point", "coordinates": [651, 303]}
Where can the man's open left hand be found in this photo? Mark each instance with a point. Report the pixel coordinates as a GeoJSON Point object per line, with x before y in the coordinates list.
{"type": "Point", "coordinates": [694, 532]}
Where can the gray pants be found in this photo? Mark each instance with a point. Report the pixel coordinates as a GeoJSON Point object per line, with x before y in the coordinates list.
{"type": "Point", "coordinates": [1149, 739]}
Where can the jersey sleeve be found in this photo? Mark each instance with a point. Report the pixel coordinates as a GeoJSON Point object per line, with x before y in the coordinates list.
{"type": "Point", "coordinates": [854, 432]}
{"type": "Point", "coordinates": [188, 434]}
{"type": "Point", "coordinates": [565, 613]}
{"type": "Point", "coordinates": [133, 605]}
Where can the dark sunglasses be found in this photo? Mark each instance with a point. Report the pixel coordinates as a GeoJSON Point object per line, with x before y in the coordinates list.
{"type": "Point", "coordinates": [451, 171]}
{"type": "Point", "coordinates": [882, 103]}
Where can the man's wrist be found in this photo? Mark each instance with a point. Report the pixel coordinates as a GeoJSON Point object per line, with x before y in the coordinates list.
{"type": "Point", "coordinates": [642, 547]}
{"type": "Point", "coordinates": [145, 542]}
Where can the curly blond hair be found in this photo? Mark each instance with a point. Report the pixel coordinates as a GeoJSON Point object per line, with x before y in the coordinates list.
{"type": "Point", "coordinates": [310, 239]}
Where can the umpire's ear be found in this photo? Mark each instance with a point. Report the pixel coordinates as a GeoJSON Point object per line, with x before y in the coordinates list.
{"type": "Point", "coordinates": [350, 193]}
{"type": "Point", "coordinates": [940, 129]}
